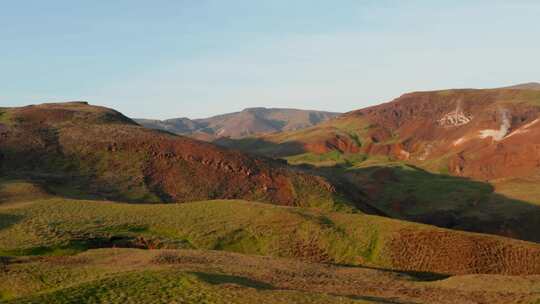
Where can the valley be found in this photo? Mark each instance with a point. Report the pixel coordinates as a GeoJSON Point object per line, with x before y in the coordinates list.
{"type": "Point", "coordinates": [430, 198]}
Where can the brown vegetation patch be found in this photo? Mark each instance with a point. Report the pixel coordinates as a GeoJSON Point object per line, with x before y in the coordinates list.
{"type": "Point", "coordinates": [309, 249]}
{"type": "Point", "coordinates": [458, 253]}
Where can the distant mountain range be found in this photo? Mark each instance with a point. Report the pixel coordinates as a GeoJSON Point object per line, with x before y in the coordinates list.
{"type": "Point", "coordinates": [249, 122]}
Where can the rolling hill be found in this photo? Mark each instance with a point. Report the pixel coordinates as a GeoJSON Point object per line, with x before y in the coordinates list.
{"type": "Point", "coordinates": [249, 122]}
{"type": "Point", "coordinates": [197, 276]}
{"type": "Point", "coordinates": [80, 150]}
{"type": "Point", "coordinates": [62, 250]}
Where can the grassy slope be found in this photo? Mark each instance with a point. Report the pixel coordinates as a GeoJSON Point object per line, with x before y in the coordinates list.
{"type": "Point", "coordinates": [525, 189]}
{"type": "Point", "coordinates": [56, 226]}
{"type": "Point", "coordinates": [173, 287]}
{"type": "Point", "coordinates": [194, 276]}
{"type": "Point", "coordinates": [333, 158]}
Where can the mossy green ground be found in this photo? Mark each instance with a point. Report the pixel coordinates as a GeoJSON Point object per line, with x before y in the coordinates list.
{"type": "Point", "coordinates": [5, 117]}
{"type": "Point", "coordinates": [117, 275]}
{"type": "Point", "coordinates": [35, 226]}
{"type": "Point", "coordinates": [173, 287]}
{"type": "Point", "coordinates": [525, 189]}
{"type": "Point", "coordinates": [60, 226]}
{"type": "Point", "coordinates": [332, 158]}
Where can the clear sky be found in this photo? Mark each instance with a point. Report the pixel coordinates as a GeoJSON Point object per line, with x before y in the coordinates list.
{"type": "Point", "coordinates": [196, 58]}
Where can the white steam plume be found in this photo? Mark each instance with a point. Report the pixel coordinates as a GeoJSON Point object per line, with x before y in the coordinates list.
{"type": "Point", "coordinates": [498, 135]}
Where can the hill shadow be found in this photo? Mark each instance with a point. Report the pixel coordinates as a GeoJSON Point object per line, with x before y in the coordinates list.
{"type": "Point", "coordinates": [380, 300]}
{"type": "Point", "coordinates": [218, 279]}
{"type": "Point", "coordinates": [410, 193]}
{"type": "Point", "coordinates": [8, 220]}
{"type": "Point", "coordinates": [261, 147]}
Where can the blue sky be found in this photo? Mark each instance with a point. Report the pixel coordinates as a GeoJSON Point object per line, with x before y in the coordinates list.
{"type": "Point", "coordinates": [196, 58]}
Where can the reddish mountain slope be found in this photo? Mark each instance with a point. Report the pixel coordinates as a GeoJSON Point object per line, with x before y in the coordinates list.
{"type": "Point", "coordinates": [484, 134]}
{"type": "Point", "coordinates": [79, 149]}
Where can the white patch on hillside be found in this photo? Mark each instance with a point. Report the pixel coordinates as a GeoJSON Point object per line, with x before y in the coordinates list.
{"type": "Point", "coordinates": [426, 152]}
{"type": "Point", "coordinates": [455, 118]}
{"type": "Point", "coordinates": [459, 141]}
{"type": "Point", "coordinates": [404, 154]}
{"type": "Point", "coordinates": [524, 128]}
